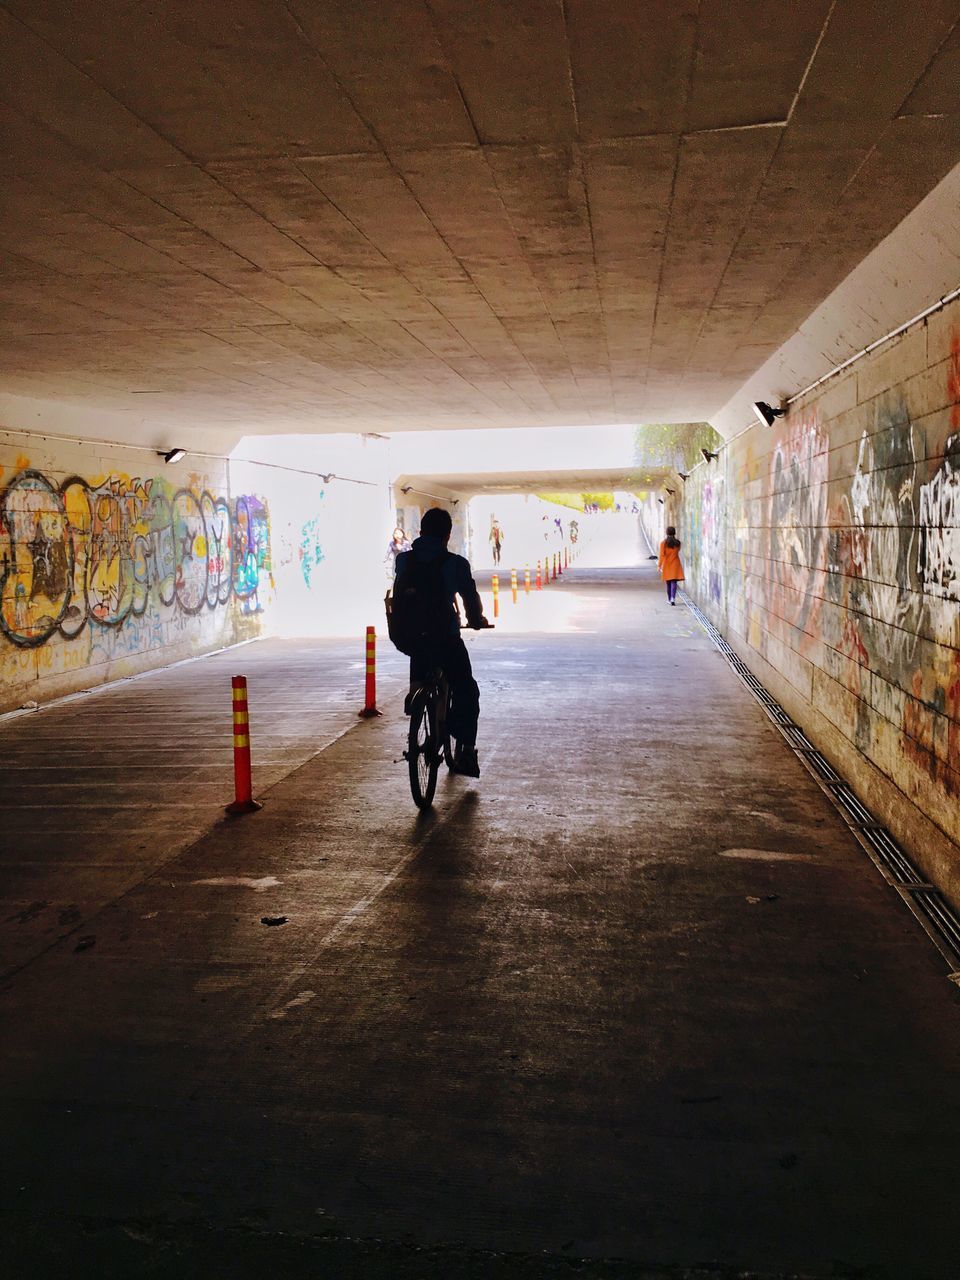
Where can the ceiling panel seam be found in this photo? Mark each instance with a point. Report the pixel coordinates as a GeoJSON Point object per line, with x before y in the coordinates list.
{"type": "Point", "coordinates": [533, 275]}
{"type": "Point", "coordinates": [759, 190]}
{"type": "Point", "coordinates": [898, 115]}
{"type": "Point", "coordinates": [369, 126]}
{"type": "Point", "coordinates": [757, 310]}
{"type": "Point", "coordinates": [812, 246]}
{"type": "Point", "coordinates": [468, 275]}
{"type": "Point", "coordinates": [810, 61]}
{"type": "Point", "coordinates": [451, 70]}
{"type": "Point", "coordinates": [688, 90]}
{"type": "Point", "coordinates": [99, 87]}
{"type": "Point", "coordinates": [586, 202]}
{"type": "Point", "coordinates": [393, 266]}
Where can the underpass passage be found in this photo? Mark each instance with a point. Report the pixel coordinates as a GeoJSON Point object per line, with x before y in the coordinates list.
{"type": "Point", "coordinates": [636, 995]}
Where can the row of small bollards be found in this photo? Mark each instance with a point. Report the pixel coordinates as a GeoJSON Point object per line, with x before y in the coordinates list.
{"type": "Point", "coordinates": [552, 569]}
{"type": "Point", "coordinates": [547, 571]}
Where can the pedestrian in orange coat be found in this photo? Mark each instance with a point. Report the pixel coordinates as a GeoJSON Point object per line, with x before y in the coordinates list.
{"type": "Point", "coordinates": [668, 562]}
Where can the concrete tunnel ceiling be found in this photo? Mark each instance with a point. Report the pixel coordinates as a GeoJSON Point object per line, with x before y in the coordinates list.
{"type": "Point", "coordinates": [406, 214]}
{"type": "Point", "coordinates": [597, 480]}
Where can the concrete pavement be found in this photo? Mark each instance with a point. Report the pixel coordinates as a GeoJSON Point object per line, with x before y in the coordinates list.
{"type": "Point", "coordinates": [634, 1004]}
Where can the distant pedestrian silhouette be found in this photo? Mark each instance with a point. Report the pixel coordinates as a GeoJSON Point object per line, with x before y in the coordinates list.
{"type": "Point", "coordinates": [496, 538]}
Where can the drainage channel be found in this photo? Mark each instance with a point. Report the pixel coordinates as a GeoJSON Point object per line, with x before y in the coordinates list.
{"type": "Point", "coordinates": [928, 905]}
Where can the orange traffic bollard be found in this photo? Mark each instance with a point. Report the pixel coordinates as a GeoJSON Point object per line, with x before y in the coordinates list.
{"type": "Point", "coordinates": [242, 775]}
{"type": "Point", "coordinates": [559, 564]}
{"type": "Point", "coordinates": [495, 584]}
{"type": "Point", "coordinates": [566, 561]}
{"type": "Point", "coordinates": [539, 578]}
{"type": "Point", "coordinates": [553, 568]}
{"type": "Point", "coordinates": [513, 584]}
{"type": "Point", "coordinates": [526, 581]}
{"type": "Point", "coordinates": [370, 700]}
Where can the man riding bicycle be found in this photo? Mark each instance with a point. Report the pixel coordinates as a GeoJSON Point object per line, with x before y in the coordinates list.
{"type": "Point", "coordinates": [428, 580]}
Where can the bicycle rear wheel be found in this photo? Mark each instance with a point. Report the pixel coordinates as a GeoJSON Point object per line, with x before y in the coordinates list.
{"type": "Point", "coordinates": [423, 756]}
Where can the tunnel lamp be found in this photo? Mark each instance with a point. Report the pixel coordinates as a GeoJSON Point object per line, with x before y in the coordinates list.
{"type": "Point", "coordinates": [454, 502]}
{"type": "Point", "coordinates": [672, 492]}
{"type": "Point", "coordinates": [766, 413]}
{"type": "Point", "coordinates": [660, 500]}
{"type": "Point", "coordinates": [708, 456]}
{"type": "Point", "coordinates": [684, 475]}
{"type": "Point", "coordinates": [172, 455]}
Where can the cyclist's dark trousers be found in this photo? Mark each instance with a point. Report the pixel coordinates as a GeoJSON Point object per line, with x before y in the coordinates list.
{"type": "Point", "coordinates": [452, 656]}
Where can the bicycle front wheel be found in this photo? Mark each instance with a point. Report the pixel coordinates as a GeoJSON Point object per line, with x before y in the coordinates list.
{"type": "Point", "coordinates": [423, 756]}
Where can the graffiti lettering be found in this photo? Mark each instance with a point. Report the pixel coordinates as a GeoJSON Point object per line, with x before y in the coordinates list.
{"type": "Point", "coordinates": [798, 506]}
{"type": "Point", "coordinates": [310, 551]}
{"type": "Point", "coordinates": [938, 561]}
{"type": "Point", "coordinates": [252, 546]}
{"type": "Point", "coordinates": [79, 554]}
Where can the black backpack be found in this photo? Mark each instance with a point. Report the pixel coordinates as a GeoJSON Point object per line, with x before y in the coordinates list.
{"type": "Point", "coordinates": [419, 612]}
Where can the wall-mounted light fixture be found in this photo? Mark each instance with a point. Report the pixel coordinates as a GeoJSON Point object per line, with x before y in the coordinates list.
{"type": "Point", "coordinates": [660, 500]}
{"type": "Point", "coordinates": [172, 455]}
{"type": "Point", "coordinates": [708, 456]}
{"type": "Point", "coordinates": [454, 502]}
{"type": "Point", "coordinates": [766, 413]}
{"type": "Point", "coordinates": [672, 492]}
{"type": "Point", "coordinates": [684, 475]}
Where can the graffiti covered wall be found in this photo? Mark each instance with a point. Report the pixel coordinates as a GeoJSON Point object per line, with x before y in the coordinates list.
{"type": "Point", "coordinates": [104, 573]}
{"type": "Point", "coordinates": [827, 548]}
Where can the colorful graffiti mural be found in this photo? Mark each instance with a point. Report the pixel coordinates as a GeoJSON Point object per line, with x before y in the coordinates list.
{"type": "Point", "coordinates": [703, 532]}
{"type": "Point", "coordinates": [833, 546]}
{"type": "Point", "coordinates": [79, 554]}
{"type": "Point", "coordinates": [796, 527]}
{"type": "Point", "coordinates": [875, 540]}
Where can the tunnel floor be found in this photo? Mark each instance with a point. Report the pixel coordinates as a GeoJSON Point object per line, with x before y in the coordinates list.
{"type": "Point", "coordinates": [633, 1004]}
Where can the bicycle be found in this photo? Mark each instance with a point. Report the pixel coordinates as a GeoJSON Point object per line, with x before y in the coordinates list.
{"type": "Point", "coordinates": [429, 740]}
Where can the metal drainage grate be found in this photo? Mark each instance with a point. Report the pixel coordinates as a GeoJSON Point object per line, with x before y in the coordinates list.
{"type": "Point", "coordinates": [939, 919]}
{"type": "Point", "coordinates": [935, 914]}
{"type": "Point", "coordinates": [890, 854]}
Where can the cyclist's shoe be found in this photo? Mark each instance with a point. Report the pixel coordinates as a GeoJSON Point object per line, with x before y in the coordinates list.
{"type": "Point", "coordinates": [466, 763]}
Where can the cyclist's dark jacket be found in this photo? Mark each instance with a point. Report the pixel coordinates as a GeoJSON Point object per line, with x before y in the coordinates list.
{"type": "Point", "coordinates": [457, 579]}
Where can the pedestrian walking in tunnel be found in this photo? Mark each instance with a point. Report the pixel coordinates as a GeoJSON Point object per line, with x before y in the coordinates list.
{"type": "Point", "coordinates": [399, 542]}
{"type": "Point", "coordinates": [668, 562]}
{"type": "Point", "coordinates": [427, 621]}
{"type": "Point", "coordinates": [496, 538]}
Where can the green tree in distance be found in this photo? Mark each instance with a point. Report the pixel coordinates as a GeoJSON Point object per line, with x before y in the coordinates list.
{"type": "Point", "coordinates": [673, 444]}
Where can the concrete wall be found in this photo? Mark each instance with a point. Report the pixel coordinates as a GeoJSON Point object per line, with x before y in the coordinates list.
{"type": "Point", "coordinates": [329, 539]}
{"type": "Point", "coordinates": [112, 562]}
{"type": "Point", "coordinates": [653, 519]}
{"type": "Point", "coordinates": [827, 549]}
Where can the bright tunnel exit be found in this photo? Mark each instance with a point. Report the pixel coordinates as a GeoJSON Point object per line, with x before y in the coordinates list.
{"type": "Point", "coordinates": [341, 505]}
